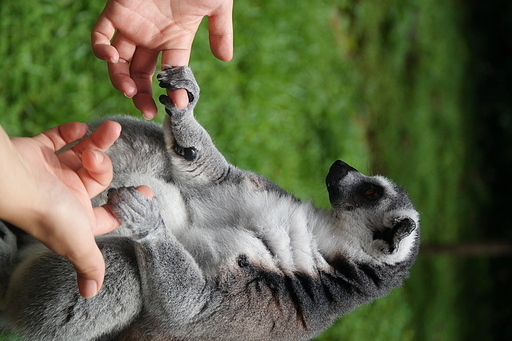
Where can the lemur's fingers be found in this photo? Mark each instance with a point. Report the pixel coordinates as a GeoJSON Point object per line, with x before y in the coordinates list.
{"type": "Point", "coordinates": [135, 209]}
{"type": "Point", "coordinates": [180, 77]}
{"type": "Point", "coordinates": [107, 220]}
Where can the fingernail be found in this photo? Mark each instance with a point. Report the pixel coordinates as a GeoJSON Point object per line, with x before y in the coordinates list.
{"type": "Point", "coordinates": [88, 287]}
{"type": "Point", "coordinates": [130, 92]}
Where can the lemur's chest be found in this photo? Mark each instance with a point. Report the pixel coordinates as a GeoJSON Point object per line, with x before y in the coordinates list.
{"type": "Point", "coordinates": [265, 229]}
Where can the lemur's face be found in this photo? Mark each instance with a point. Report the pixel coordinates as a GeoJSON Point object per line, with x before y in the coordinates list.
{"type": "Point", "coordinates": [376, 210]}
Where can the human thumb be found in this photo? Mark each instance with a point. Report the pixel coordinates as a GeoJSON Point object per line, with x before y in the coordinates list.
{"type": "Point", "coordinates": [90, 273]}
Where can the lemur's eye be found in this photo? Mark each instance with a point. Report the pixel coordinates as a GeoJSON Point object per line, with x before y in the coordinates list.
{"type": "Point", "coordinates": [369, 191]}
{"type": "Point", "coordinates": [372, 192]}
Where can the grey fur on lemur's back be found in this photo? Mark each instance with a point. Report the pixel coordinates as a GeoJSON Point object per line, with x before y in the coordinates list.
{"type": "Point", "coordinates": [219, 254]}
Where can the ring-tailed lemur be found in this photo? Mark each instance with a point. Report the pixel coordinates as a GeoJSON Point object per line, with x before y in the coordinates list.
{"type": "Point", "coordinates": [219, 253]}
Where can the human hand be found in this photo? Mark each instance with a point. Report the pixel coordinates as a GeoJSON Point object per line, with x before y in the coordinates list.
{"type": "Point", "coordinates": [48, 195]}
{"type": "Point", "coordinates": [147, 27]}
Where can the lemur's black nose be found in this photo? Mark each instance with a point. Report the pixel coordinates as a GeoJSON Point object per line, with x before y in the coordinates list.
{"type": "Point", "coordinates": [338, 171]}
{"type": "Point", "coordinates": [341, 169]}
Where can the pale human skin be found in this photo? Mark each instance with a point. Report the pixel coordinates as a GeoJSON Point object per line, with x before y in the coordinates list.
{"type": "Point", "coordinates": [48, 196]}
{"type": "Point", "coordinates": [144, 28]}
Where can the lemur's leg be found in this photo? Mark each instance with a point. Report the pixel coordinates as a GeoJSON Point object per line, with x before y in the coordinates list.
{"type": "Point", "coordinates": [42, 301]}
{"type": "Point", "coordinates": [195, 159]}
{"type": "Point", "coordinates": [174, 288]}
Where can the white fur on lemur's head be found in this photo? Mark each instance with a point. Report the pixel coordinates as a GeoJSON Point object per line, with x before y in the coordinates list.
{"type": "Point", "coordinates": [376, 218]}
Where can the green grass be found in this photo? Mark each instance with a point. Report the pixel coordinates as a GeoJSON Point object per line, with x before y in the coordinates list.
{"type": "Point", "coordinates": [380, 85]}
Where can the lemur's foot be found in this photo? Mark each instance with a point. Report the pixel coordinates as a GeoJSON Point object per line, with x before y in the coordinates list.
{"type": "Point", "coordinates": [178, 77]}
{"type": "Point", "coordinates": [138, 213]}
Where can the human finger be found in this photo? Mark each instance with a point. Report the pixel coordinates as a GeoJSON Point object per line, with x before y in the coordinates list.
{"type": "Point", "coordinates": [178, 97]}
{"type": "Point", "coordinates": [79, 247]}
{"type": "Point", "coordinates": [142, 69]}
{"type": "Point", "coordinates": [97, 172]}
{"type": "Point", "coordinates": [57, 137]}
{"type": "Point", "coordinates": [119, 72]}
{"type": "Point", "coordinates": [101, 35]}
{"type": "Point", "coordinates": [100, 139]}
{"type": "Point", "coordinates": [106, 220]}
{"type": "Point", "coordinates": [176, 57]}
{"type": "Point", "coordinates": [90, 268]}
{"type": "Point", "coordinates": [220, 28]}
{"type": "Point", "coordinates": [146, 191]}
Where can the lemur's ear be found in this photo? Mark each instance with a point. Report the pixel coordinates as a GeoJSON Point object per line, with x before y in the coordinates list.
{"type": "Point", "coordinates": [400, 228]}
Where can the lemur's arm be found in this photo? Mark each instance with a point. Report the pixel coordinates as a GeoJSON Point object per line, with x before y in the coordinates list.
{"type": "Point", "coordinates": [195, 160]}
{"type": "Point", "coordinates": [42, 301]}
{"type": "Point", "coordinates": [173, 286]}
